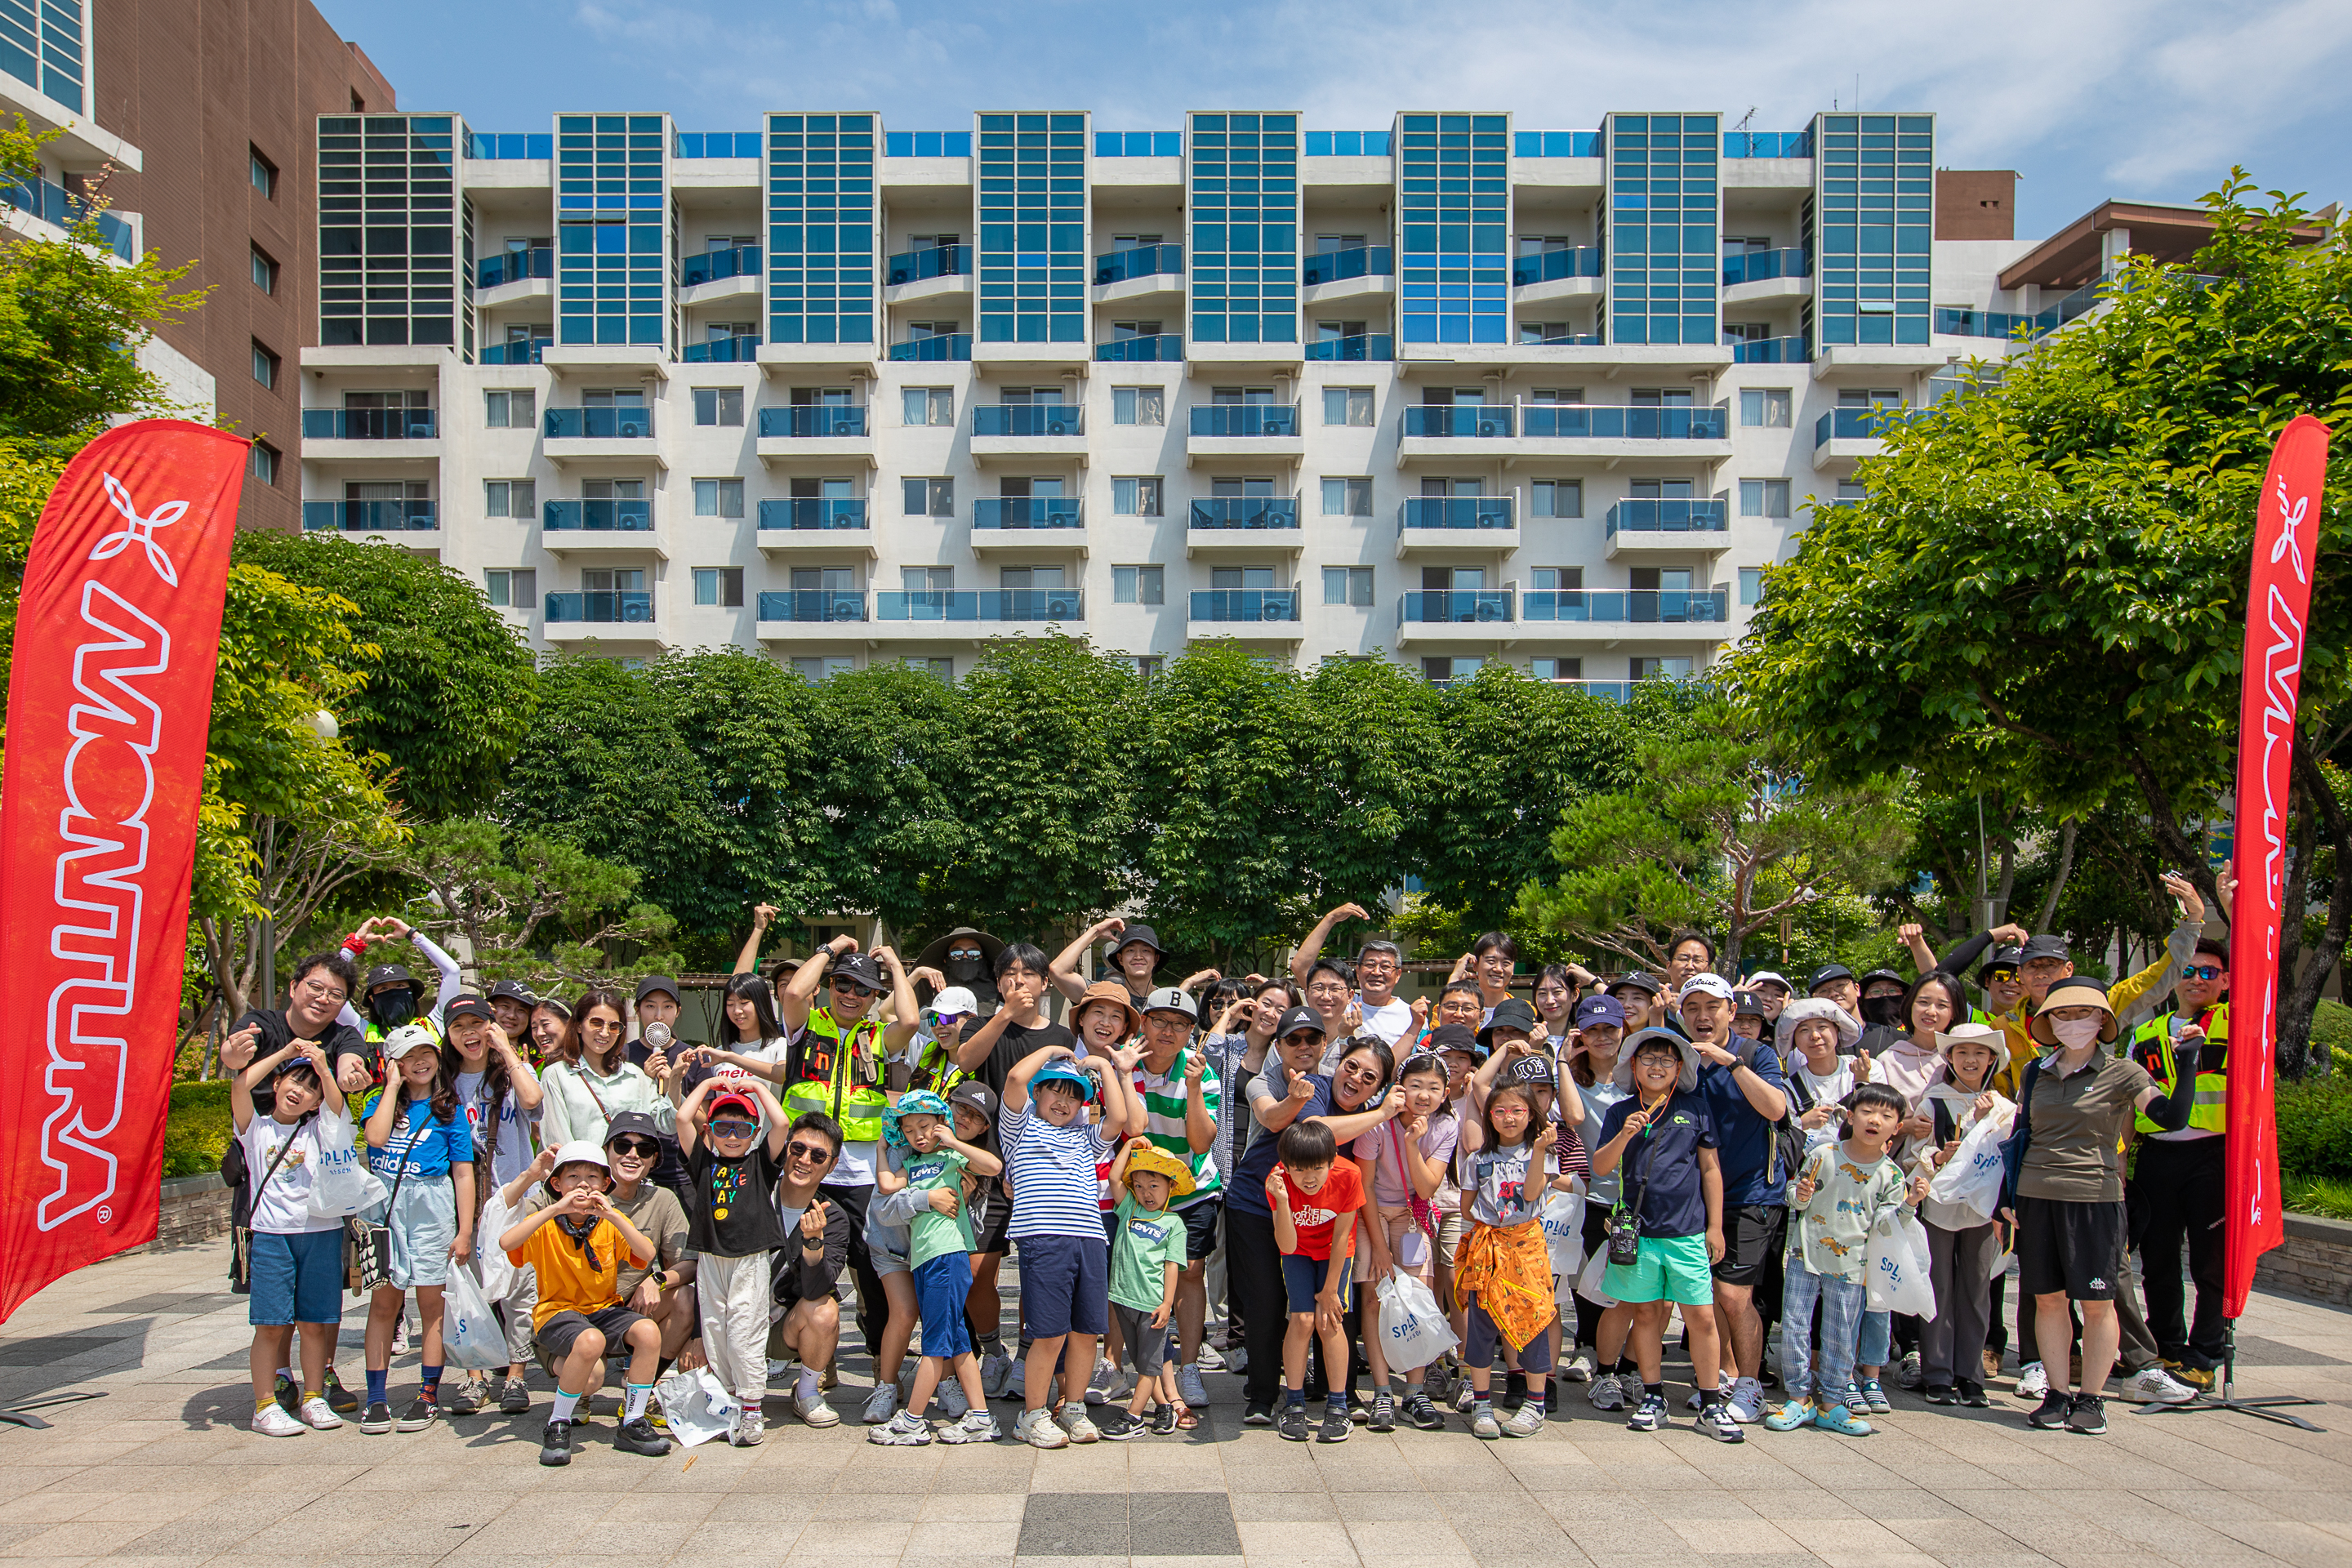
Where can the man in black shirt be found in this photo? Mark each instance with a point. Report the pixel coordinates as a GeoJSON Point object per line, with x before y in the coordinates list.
{"type": "Point", "coordinates": [990, 1052]}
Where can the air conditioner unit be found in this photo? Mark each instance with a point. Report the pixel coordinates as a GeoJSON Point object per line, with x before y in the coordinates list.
{"type": "Point", "coordinates": [1489, 611]}
{"type": "Point", "coordinates": [634, 610]}
{"type": "Point", "coordinates": [842, 610]}
{"type": "Point", "coordinates": [1057, 428]}
{"type": "Point", "coordinates": [630, 430]}
{"type": "Point", "coordinates": [1276, 610]}
{"type": "Point", "coordinates": [1062, 606]}
{"type": "Point", "coordinates": [1490, 428]}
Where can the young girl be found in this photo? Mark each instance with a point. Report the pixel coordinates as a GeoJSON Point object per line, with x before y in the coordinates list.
{"type": "Point", "coordinates": [1555, 998]}
{"type": "Point", "coordinates": [753, 1038]}
{"type": "Point", "coordinates": [1504, 1275]}
{"type": "Point", "coordinates": [1589, 1059]}
{"type": "Point", "coordinates": [296, 1261]}
{"type": "Point", "coordinates": [594, 1080]}
{"type": "Point", "coordinates": [421, 1147]}
{"type": "Point", "coordinates": [1811, 1034]}
{"type": "Point", "coordinates": [1962, 1241]}
{"type": "Point", "coordinates": [1403, 1165]}
{"type": "Point", "coordinates": [501, 1100]}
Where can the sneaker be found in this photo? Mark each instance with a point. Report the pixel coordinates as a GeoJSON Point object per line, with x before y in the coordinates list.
{"type": "Point", "coordinates": [903, 1430]}
{"type": "Point", "coordinates": [1972, 1394]}
{"type": "Point", "coordinates": [777, 1368]}
{"type": "Point", "coordinates": [2088, 1417]}
{"type": "Point", "coordinates": [318, 1416]}
{"type": "Point", "coordinates": [1116, 1426]}
{"type": "Point", "coordinates": [1649, 1415]}
{"type": "Point", "coordinates": [1747, 1401]}
{"type": "Point", "coordinates": [1607, 1392]}
{"type": "Point", "coordinates": [977, 1427]}
{"type": "Point", "coordinates": [1260, 1413]}
{"type": "Point", "coordinates": [751, 1427]}
{"type": "Point", "coordinates": [1579, 1368]}
{"type": "Point", "coordinates": [288, 1397]}
{"type": "Point", "coordinates": [1189, 1387]}
{"type": "Point", "coordinates": [1164, 1417]}
{"type": "Point", "coordinates": [1696, 1401]}
{"type": "Point", "coordinates": [952, 1402]}
{"type": "Point", "coordinates": [377, 1419]}
{"type": "Point", "coordinates": [1792, 1415]}
{"type": "Point", "coordinates": [1942, 1394]}
{"type": "Point", "coordinates": [1337, 1427]}
{"type": "Point", "coordinates": [1424, 1415]}
{"type": "Point", "coordinates": [815, 1412]}
{"type": "Point", "coordinates": [2033, 1382]}
{"type": "Point", "coordinates": [555, 1444]}
{"type": "Point", "coordinates": [1016, 1382]}
{"type": "Point", "coordinates": [1383, 1416]}
{"type": "Point", "coordinates": [1909, 1375]}
{"type": "Point", "coordinates": [995, 1368]}
{"type": "Point", "coordinates": [1079, 1424]}
{"type": "Point", "coordinates": [1099, 1386]}
{"type": "Point", "coordinates": [1717, 1422]}
{"type": "Point", "coordinates": [400, 1336]}
{"type": "Point", "coordinates": [1359, 1413]}
{"type": "Point", "coordinates": [340, 1400]}
{"type": "Point", "coordinates": [2199, 1378]}
{"type": "Point", "coordinates": [1840, 1419]}
{"type": "Point", "coordinates": [1482, 1424]}
{"type": "Point", "coordinates": [1873, 1397]}
{"type": "Point", "coordinates": [881, 1404]}
{"type": "Point", "coordinates": [638, 1436]}
{"type": "Point", "coordinates": [515, 1397]}
{"type": "Point", "coordinates": [1237, 1359]}
{"type": "Point", "coordinates": [468, 1397]}
{"type": "Point", "coordinates": [1525, 1421]}
{"type": "Point", "coordinates": [2054, 1409]}
{"type": "Point", "coordinates": [1292, 1422]}
{"type": "Point", "coordinates": [1036, 1428]}
{"type": "Point", "coordinates": [422, 1412]}
{"type": "Point", "coordinates": [2154, 1386]}
{"type": "Point", "coordinates": [1991, 1364]}
{"type": "Point", "coordinates": [1210, 1360]}
{"type": "Point", "coordinates": [271, 1421]}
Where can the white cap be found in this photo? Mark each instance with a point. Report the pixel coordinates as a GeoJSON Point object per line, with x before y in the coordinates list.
{"type": "Point", "coordinates": [581, 1151]}
{"type": "Point", "coordinates": [956, 999]}
{"type": "Point", "coordinates": [1771, 976]}
{"type": "Point", "coordinates": [1706, 981]}
{"type": "Point", "coordinates": [406, 1039]}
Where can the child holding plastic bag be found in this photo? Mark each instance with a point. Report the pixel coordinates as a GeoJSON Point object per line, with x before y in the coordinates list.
{"type": "Point", "coordinates": [1972, 1119]}
{"type": "Point", "coordinates": [297, 1258]}
{"type": "Point", "coordinates": [1404, 1163]}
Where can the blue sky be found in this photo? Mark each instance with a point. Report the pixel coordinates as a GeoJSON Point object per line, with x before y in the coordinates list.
{"type": "Point", "coordinates": [2088, 98]}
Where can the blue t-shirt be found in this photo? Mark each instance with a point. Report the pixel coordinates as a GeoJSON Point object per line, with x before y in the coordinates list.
{"type": "Point", "coordinates": [428, 1146]}
{"type": "Point", "coordinates": [1744, 1137]}
{"type": "Point", "coordinates": [1660, 1167]}
{"type": "Point", "coordinates": [1247, 1189]}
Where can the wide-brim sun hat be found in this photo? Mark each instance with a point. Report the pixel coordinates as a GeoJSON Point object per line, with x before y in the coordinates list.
{"type": "Point", "coordinates": [1059, 1072]}
{"type": "Point", "coordinates": [1970, 1033]}
{"type": "Point", "coordinates": [1117, 995]}
{"type": "Point", "coordinates": [935, 953]}
{"type": "Point", "coordinates": [915, 1103]}
{"type": "Point", "coordinates": [1623, 1077]}
{"type": "Point", "coordinates": [1157, 1161]}
{"type": "Point", "coordinates": [1805, 1007]}
{"type": "Point", "coordinates": [2075, 991]}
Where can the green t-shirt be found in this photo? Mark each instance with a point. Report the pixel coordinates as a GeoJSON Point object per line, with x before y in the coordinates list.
{"type": "Point", "coordinates": [1147, 1239]}
{"type": "Point", "coordinates": [931, 1233]}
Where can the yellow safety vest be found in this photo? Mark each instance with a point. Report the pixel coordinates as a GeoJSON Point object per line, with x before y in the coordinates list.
{"type": "Point", "coordinates": [841, 1077]}
{"type": "Point", "coordinates": [2211, 1112]}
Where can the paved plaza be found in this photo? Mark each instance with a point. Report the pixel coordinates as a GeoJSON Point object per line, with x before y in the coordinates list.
{"type": "Point", "coordinates": [162, 1469]}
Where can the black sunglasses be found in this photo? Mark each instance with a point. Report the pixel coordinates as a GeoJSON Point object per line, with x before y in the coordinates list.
{"type": "Point", "coordinates": [808, 1150]}
{"type": "Point", "coordinates": [643, 1148]}
{"type": "Point", "coordinates": [2201, 971]}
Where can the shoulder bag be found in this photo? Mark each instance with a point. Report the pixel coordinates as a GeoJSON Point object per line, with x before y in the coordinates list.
{"type": "Point", "coordinates": [367, 1244]}
{"type": "Point", "coordinates": [240, 1235]}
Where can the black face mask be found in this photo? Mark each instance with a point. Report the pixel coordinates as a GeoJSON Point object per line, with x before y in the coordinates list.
{"type": "Point", "coordinates": [1886, 1010]}
{"type": "Point", "coordinates": [393, 1009]}
{"type": "Point", "coordinates": [962, 970]}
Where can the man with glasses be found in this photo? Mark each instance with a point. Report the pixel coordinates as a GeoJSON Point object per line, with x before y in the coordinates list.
{"type": "Point", "coordinates": [1380, 967]}
{"type": "Point", "coordinates": [2175, 1196]}
{"type": "Point", "coordinates": [964, 959]}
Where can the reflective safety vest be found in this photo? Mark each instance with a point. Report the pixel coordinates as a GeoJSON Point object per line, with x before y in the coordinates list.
{"type": "Point", "coordinates": [2152, 1043]}
{"type": "Point", "coordinates": [842, 1077]}
{"type": "Point", "coordinates": [935, 1069]}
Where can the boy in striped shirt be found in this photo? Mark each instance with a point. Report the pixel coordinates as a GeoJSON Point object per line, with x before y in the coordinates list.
{"type": "Point", "coordinates": [1182, 1100]}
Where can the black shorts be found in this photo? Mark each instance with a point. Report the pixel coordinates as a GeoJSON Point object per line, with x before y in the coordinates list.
{"type": "Point", "coordinates": [992, 1216]}
{"type": "Point", "coordinates": [1201, 1228]}
{"type": "Point", "coordinates": [1751, 1235]}
{"type": "Point", "coordinates": [2076, 1248]}
{"type": "Point", "coordinates": [557, 1335]}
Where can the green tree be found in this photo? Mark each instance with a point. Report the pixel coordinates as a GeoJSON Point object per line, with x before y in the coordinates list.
{"type": "Point", "coordinates": [533, 908]}
{"type": "Point", "coordinates": [883, 743]}
{"type": "Point", "coordinates": [1370, 734]}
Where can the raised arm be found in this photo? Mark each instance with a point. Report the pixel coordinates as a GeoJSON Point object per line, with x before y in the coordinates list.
{"type": "Point", "coordinates": [1064, 971]}
{"type": "Point", "coordinates": [1017, 1083]}
{"type": "Point", "coordinates": [689, 1118]}
{"type": "Point", "coordinates": [1302, 963]}
{"type": "Point", "coordinates": [747, 960]}
{"type": "Point", "coordinates": [799, 992]}
{"type": "Point", "coordinates": [906, 1013]}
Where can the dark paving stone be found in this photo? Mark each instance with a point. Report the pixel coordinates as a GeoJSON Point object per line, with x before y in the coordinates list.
{"type": "Point", "coordinates": [2255, 1351]}
{"type": "Point", "coordinates": [174, 1302]}
{"type": "Point", "coordinates": [1181, 1525]}
{"type": "Point", "coordinates": [45, 1350]}
{"type": "Point", "coordinates": [1075, 1524]}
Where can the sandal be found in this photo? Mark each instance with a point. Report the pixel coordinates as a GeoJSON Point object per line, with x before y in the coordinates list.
{"type": "Point", "coordinates": [1186, 1418]}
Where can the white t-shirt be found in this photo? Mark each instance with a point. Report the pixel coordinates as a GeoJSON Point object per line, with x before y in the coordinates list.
{"type": "Point", "coordinates": [512, 1155]}
{"type": "Point", "coordinates": [1826, 1090]}
{"type": "Point", "coordinates": [282, 1205]}
{"type": "Point", "coordinates": [1389, 1022]}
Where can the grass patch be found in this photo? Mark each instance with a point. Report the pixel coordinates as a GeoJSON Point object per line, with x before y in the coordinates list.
{"type": "Point", "coordinates": [2326, 1196]}
{"type": "Point", "coordinates": [198, 1128]}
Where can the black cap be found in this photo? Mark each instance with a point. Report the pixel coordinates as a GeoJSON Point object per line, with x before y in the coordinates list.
{"type": "Point", "coordinates": [1999, 958]}
{"type": "Point", "coordinates": [1531, 1070]}
{"type": "Point", "coordinates": [1510, 1012]}
{"type": "Point", "coordinates": [1298, 1019]}
{"type": "Point", "coordinates": [1883, 974]}
{"type": "Point", "coordinates": [858, 967]}
{"type": "Point", "coordinates": [2042, 947]}
{"type": "Point", "coordinates": [1639, 982]}
{"type": "Point", "coordinates": [1749, 1003]}
{"type": "Point", "coordinates": [652, 983]}
{"type": "Point", "coordinates": [514, 991]}
{"type": "Point", "coordinates": [1134, 935]}
{"type": "Point", "coordinates": [387, 974]}
{"type": "Point", "coordinates": [467, 1005]}
{"type": "Point", "coordinates": [629, 1122]}
{"type": "Point", "coordinates": [1454, 1038]}
{"type": "Point", "coordinates": [1824, 975]}
{"type": "Point", "coordinates": [975, 1094]}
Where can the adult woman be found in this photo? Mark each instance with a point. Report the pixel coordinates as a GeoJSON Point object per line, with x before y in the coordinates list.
{"type": "Point", "coordinates": [551, 1022]}
{"type": "Point", "coordinates": [752, 1038]}
{"type": "Point", "coordinates": [594, 1081]}
{"type": "Point", "coordinates": [1555, 995]}
{"type": "Point", "coordinates": [2077, 1108]}
{"type": "Point", "coordinates": [1360, 1083]}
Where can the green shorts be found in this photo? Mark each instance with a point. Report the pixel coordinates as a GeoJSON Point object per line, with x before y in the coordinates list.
{"type": "Point", "coordinates": [1672, 1269]}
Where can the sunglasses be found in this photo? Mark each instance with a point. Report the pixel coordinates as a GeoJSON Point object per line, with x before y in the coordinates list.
{"type": "Point", "coordinates": [733, 1129]}
{"type": "Point", "coordinates": [964, 952]}
{"type": "Point", "coordinates": [812, 1153]}
{"type": "Point", "coordinates": [853, 988]}
{"type": "Point", "coordinates": [2201, 971]}
{"type": "Point", "coordinates": [937, 1020]}
{"type": "Point", "coordinates": [642, 1148]}
{"type": "Point", "coordinates": [2001, 974]}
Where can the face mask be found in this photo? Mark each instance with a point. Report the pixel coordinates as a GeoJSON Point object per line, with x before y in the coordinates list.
{"type": "Point", "coordinates": [1887, 1010]}
{"type": "Point", "coordinates": [962, 971]}
{"type": "Point", "coordinates": [393, 1009]}
{"type": "Point", "coordinates": [2075, 1032]}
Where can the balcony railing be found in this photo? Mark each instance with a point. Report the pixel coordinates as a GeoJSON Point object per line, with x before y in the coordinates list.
{"type": "Point", "coordinates": [600, 606]}
{"type": "Point", "coordinates": [1552, 265]}
{"type": "Point", "coordinates": [1556, 340]}
{"type": "Point", "coordinates": [1771, 351]}
{"type": "Point", "coordinates": [927, 144]}
{"type": "Point", "coordinates": [739, 350]}
{"type": "Point", "coordinates": [1246, 419]}
{"type": "Point", "coordinates": [1768, 143]}
{"type": "Point", "coordinates": [1648, 515]}
{"type": "Point", "coordinates": [1028, 419]}
{"type": "Point", "coordinates": [1244, 512]}
{"type": "Point", "coordinates": [718, 143]}
{"type": "Point", "coordinates": [514, 266]}
{"type": "Point", "coordinates": [1447, 607]}
{"type": "Point", "coordinates": [1356, 261]}
{"type": "Point", "coordinates": [596, 516]}
{"type": "Point", "coordinates": [1556, 144]}
{"type": "Point", "coordinates": [370, 424]}
{"type": "Point", "coordinates": [372, 516]}
{"type": "Point", "coordinates": [1761, 266]}
{"type": "Point", "coordinates": [1138, 143]}
{"type": "Point", "coordinates": [810, 513]}
{"type": "Point", "coordinates": [1667, 605]}
{"type": "Point", "coordinates": [505, 145]}
{"type": "Point", "coordinates": [1244, 605]}
{"type": "Point", "coordinates": [54, 203]}
{"type": "Point", "coordinates": [1158, 346]}
{"type": "Point", "coordinates": [712, 266]}
{"type": "Point", "coordinates": [1143, 261]}
{"type": "Point", "coordinates": [1456, 512]}
{"type": "Point", "coordinates": [1856, 423]}
{"type": "Point", "coordinates": [1627, 422]}
{"type": "Point", "coordinates": [1346, 144]}
{"type": "Point", "coordinates": [814, 419]}
{"type": "Point", "coordinates": [632, 422]}
{"type": "Point", "coordinates": [1029, 511]}
{"type": "Point", "coordinates": [520, 352]}
{"type": "Point", "coordinates": [945, 346]}
{"type": "Point", "coordinates": [934, 262]}
{"type": "Point", "coordinates": [1002, 605]}
{"type": "Point", "coordinates": [1490, 421]}
{"type": "Point", "coordinates": [1986, 323]}
{"type": "Point", "coordinates": [1364, 346]}
{"type": "Point", "coordinates": [806, 605]}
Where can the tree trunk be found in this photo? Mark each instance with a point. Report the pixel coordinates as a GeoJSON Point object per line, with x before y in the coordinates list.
{"type": "Point", "coordinates": [2058, 883]}
{"type": "Point", "coordinates": [223, 967]}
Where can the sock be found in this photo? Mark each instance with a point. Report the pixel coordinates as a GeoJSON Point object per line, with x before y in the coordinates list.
{"type": "Point", "coordinates": [432, 1380]}
{"type": "Point", "coordinates": [564, 1404]}
{"type": "Point", "coordinates": [1336, 1402]}
{"type": "Point", "coordinates": [1655, 1389]}
{"type": "Point", "coordinates": [661, 1369]}
{"type": "Point", "coordinates": [375, 1385]}
{"type": "Point", "coordinates": [806, 1387]}
{"type": "Point", "coordinates": [638, 1394]}
{"type": "Point", "coordinates": [261, 1404]}
{"type": "Point", "coordinates": [1294, 1397]}
{"type": "Point", "coordinates": [1708, 1397]}
{"type": "Point", "coordinates": [1625, 1366]}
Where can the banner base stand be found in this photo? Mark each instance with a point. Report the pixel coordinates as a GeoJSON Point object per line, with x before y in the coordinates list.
{"type": "Point", "coordinates": [2266, 1408]}
{"type": "Point", "coordinates": [20, 1415]}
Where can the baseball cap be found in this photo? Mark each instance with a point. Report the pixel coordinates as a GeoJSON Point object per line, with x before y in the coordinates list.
{"type": "Point", "coordinates": [956, 1000]}
{"type": "Point", "coordinates": [1874, 975]}
{"type": "Point", "coordinates": [1531, 1070]}
{"type": "Point", "coordinates": [406, 1039]}
{"type": "Point", "coordinates": [1600, 1010]}
{"type": "Point", "coordinates": [1770, 977]}
{"type": "Point", "coordinates": [387, 974]}
{"type": "Point", "coordinates": [579, 1151]}
{"type": "Point", "coordinates": [1825, 973]}
{"type": "Point", "coordinates": [514, 991]}
{"type": "Point", "coordinates": [1138, 933]}
{"type": "Point", "coordinates": [1296, 1019]}
{"type": "Point", "coordinates": [631, 1122]}
{"type": "Point", "coordinates": [2004, 957]}
{"type": "Point", "coordinates": [652, 983]}
{"type": "Point", "coordinates": [975, 1094]}
{"type": "Point", "coordinates": [1510, 1012]}
{"type": "Point", "coordinates": [1639, 981]}
{"type": "Point", "coordinates": [1748, 1004]}
{"type": "Point", "coordinates": [1173, 999]}
{"type": "Point", "coordinates": [1454, 1037]}
{"type": "Point", "coordinates": [2042, 947]}
{"type": "Point", "coordinates": [467, 1005]}
{"type": "Point", "coordinates": [857, 967]}
{"type": "Point", "coordinates": [1705, 982]}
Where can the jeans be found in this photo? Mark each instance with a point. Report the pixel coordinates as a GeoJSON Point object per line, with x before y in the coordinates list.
{"type": "Point", "coordinates": [1844, 1322]}
{"type": "Point", "coordinates": [1877, 1338]}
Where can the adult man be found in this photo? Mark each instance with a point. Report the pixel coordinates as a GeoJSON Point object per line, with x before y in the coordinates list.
{"type": "Point", "coordinates": [1688, 952]}
{"type": "Point", "coordinates": [1183, 1100]}
{"type": "Point", "coordinates": [1835, 982]}
{"type": "Point", "coordinates": [965, 957]}
{"type": "Point", "coordinates": [817, 1238]}
{"type": "Point", "coordinates": [1134, 957]}
{"type": "Point", "coordinates": [1017, 1028]}
{"type": "Point", "coordinates": [1379, 964]}
{"type": "Point", "coordinates": [1746, 1096]}
{"type": "Point", "coordinates": [2175, 1189]}
{"type": "Point", "coordinates": [1330, 990]}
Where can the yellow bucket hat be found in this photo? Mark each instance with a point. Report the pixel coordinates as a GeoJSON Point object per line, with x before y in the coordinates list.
{"type": "Point", "coordinates": [1160, 1163]}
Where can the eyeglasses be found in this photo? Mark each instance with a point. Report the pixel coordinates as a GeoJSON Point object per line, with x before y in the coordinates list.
{"type": "Point", "coordinates": [733, 1129]}
{"type": "Point", "coordinates": [323, 992]}
{"type": "Point", "coordinates": [2201, 971]}
{"type": "Point", "coordinates": [812, 1153]}
{"type": "Point", "coordinates": [641, 1148]}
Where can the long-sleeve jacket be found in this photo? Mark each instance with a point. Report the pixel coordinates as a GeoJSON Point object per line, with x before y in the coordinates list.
{"type": "Point", "coordinates": [2134, 998]}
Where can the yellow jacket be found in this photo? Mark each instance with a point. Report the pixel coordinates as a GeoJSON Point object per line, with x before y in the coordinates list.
{"type": "Point", "coordinates": [2130, 997]}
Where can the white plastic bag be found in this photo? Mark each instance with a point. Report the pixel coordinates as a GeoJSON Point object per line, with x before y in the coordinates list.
{"type": "Point", "coordinates": [697, 1405]}
{"type": "Point", "coordinates": [470, 1335]}
{"type": "Point", "coordinates": [1894, 1274]}
{"type": "Point", "coordinates": [1563, 1227]}
{"type": "Point", "coordinates": [1414, 1332]}
{"type": "Point", "coordinates": [498, 1271]}
{"type": "Point", "coordinates": [1591, 1283]}
{"type": "Point", "coordinates": [341, 1185]}
{"type": "Point", "coordinates": [1971, 1178]}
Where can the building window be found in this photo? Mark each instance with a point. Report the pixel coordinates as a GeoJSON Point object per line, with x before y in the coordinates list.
{"type": "Point", "coordinates": [823, 667]}
{"type": "Point", "coordinates": [1764, 408]}
{"type": "Point", "coordinates": [939, 669]}
{"type": "Point", "coordinates": [265, 366]}
{"type": "Point", "coordinates": [1763, 497]}
{"type": "Point", "coordinates": [719, 405]}
{"type": "Point", "coordinates": [1457, 667]}
{"type": "Point", "coordinates": [930, 497]}
{"type": "Point", "coordinates": [721, 585]}
{"type": "Point", "coordinates": [1559, 498]}
{"type": "Point", "coordinates": [1751, 585]}
{"type": "Point", "coordinates": [1139, 584]}
{"type": "Point", "coordinates": [1347, 498]}
{"type": "Point", "coordinates": [517, 499]}
{"type": "Point", "coordinates": [1669, 668]}
{"type": "Point", "coordinates": [510, 410]}
{"type": "Point", "coordinates": [1138, 405]}
{"type": "Point", "coordinates": [717, 497]}
{"type": "Point", "coordinates": [511, 589]}
{"type": "Point", "coordinates": [263, 173]}
{"type": "Point", "coordinates": [265, 271]}
{"type": "Point", "coordinates": [1348, 406]}
{"type": "Point", "coordinates": [1146, 666]}
{"type": "Point", "coordinates": [928, 406]}
{"type": "Point", "coordinates": [1555, 668]}
{"type": "Point", "coordinates": [1557, 579]}
{"type": "Point", "coordinates": [1348, 585]}
{"type": "Point", "coordinates": [1136, 498]}
{"type": "Point", "coordinates": [261, 462]}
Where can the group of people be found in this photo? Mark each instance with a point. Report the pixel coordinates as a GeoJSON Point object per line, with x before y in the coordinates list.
{"type": "Point", "coordinates": [1303, 1179]}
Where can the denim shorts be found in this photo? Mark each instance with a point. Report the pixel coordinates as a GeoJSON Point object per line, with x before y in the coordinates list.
{"type": "Point", "coordinates": [297, 1278]}
{"type": "Point", "coordinates": [1303, 1276]}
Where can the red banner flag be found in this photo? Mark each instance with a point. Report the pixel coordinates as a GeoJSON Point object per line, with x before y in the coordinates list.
{"type": "Point", "coordinates": [108, 706]}
{"type": "Point", "coordinates": [2278, 605]}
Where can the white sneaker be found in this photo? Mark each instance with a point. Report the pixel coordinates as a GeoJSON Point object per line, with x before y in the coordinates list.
{"type": "Point", "coordinates": [2033, 1382]}
{"type": "Point", "coordinates": [1607, 1392]}
{"type": "Point", "coordinates": [977, 1427]}
{"type": "Point", "coordinates": [271, 1421]}
{"type": "Point", "coordinates": [1909, 1374]}
{"type": "Point", "coordinates": [995, 1369]}
{"type": "Point", "coordinates": [1099, 1387]}
{"type": "Point", "coordinates": [1189, 1387]}
{"type": "Point", "coordinates": [952, 1403]}
{"type": "Point", "coordinates": [318, 1416]}
{"type": "Point", "coordinates": [881, 1404]}
{"type": "Point", "coordinates": [905, 1429]}
{"type": "Point", "coordinates": [1464, 1396]}
{"type": "Point", "coordinates": [2154, 1386]}
{"type": "Point", "coordinates": [1747, 1401]}
{"type": "Point", "coordinates": [814, 1410]}
{"type": "Point", "coordinates": [1579, 1368]}
{"type": "Point", "coordinates": [1079, 1425]}
{"type": "Point", "coordinates": [1036, 1428]}
{"type": "Point", "coordinates": [1212, 1358]}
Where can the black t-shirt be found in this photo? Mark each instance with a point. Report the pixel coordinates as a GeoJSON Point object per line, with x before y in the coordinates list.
{"type": "Point", "coordinates": [734, 1211]}
{"type": "Point", "coordinates": [338, 1040]}
{"type": "Point", "coordinates": [1016, 1043]}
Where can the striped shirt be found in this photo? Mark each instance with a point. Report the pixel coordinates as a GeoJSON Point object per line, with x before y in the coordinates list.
{"type": "Point", "coordinates": [1051, 1171]}
{"type": "Point", "coordinates": [1165, 1097]}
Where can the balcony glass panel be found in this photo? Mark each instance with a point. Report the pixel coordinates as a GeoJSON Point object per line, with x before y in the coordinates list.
{"type": "Point", "coordinates": [1623, 422]}
{"type": "Point", "coordinates": [1768, 143]}
{"type": "Point", "coordinates": [1552, 265]}
{"type": "Point", "coordinates": [1771, 351]}
{"type": "Point", "coordinates": [1364, 346]}
{"type": "Point", "coordinates": [818, 419]}
{"type": "Point", "coordinates": [1244, 605]}
{"type": "Point", "coordinates": [1162, 346]}
{"type": "Point", "coordinates": [937, 261]}
{"type": "Point", "coordinates": [52, 202]}
{"type": "Point", "coordinates": [1244, 512]}
{"type": "Point", "coordinates": [1761, 266]}
{"type": "Point", "coordinates": [597, 516]}
{"type": "Point", "coordinates": [1246, 419]}
{"type": "Point", "coordinates": [502, 146]}
{"type": "Point", "coordinates": [1456, 512]}
{"type": "Point", "coordinates": [1634, 604]}
{"type": "Point", "coordinates": [741, 350]}
{"type": "Point", "coordinates": [711, 266]}
{"type": "Point", "coordinates": [1856, 423]}
{"type": "Point", "coordinates": [718, 143]}
{"type": "Point", "coordinates": [927, 144]}
{"type": "Point", "coordinates": [371, 424]}
{"type": "Point", "coordinates": [1027, 419]}
{"type": "Point", "coordinates": [633, 422]}
{"type": "Point", "coordinates": [372, 516]}
{"type": "Point", "coordinates": [1002, 605]}
{"type": "Point", "coordinates": [1445, 606]}
{"type": "Point", "coordinates": [600, 608]}
{"type": "Point", "coordinates": [946, 346]}
{"type": "Point", "coordinates": [514, 266]}
{"type": "Point", "coordinates": [1556, 143]}
{"type": "Point", "coordinates": [801, 513]}
{"type": "Point", "coordinates": [1029, 511]}
{"type": "Point", "coordinates": [1143, 261]}
{"type": "Point", "coordinates": [516, 353]}
{"type": "Point", "coordinates": [812, 604]}
{"type": "Point", "coordinates": [1358, 261]}
{"type": "Point", "coordinates": [1648, 515]}
{"type": "Point", "coordinates": [1474, 421]}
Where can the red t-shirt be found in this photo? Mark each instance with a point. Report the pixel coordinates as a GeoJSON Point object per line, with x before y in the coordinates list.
{"type": "Point", "coordinates": [1316, 1214]}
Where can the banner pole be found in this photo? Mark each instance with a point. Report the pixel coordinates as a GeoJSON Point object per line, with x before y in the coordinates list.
{"type": "Point", "coordinates": [2266, 1407]}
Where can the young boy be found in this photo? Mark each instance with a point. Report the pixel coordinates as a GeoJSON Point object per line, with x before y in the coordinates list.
{"type": "Point", "coordinates": [734, 1230]}
{"type": "Point", "coordinates": [1835, 1200]}
{"type": "Point", "coordinates": [1147, 1260]}
{"type": "Point", "coordinates": [1662, 1135]}
{"type": "Point", "coordinates": [295, 1266]}
{"type": "Point", "coordinates": [1315, 1196]}
{"type": "Point", "coordinates": [944, 1169]}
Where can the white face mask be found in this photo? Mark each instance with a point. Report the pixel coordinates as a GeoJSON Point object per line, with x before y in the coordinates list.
{"type": "Point", "coordinates": [2077, 1032]}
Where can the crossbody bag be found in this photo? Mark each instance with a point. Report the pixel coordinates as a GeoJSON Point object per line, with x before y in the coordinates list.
{"type": "Point", "coordinates": [240, 1237]}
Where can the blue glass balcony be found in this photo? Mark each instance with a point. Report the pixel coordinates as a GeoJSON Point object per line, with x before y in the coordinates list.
{"type": "Point", "coordinates": [718, 145]}
{"type": "Point", "coordinates": [1856, 423]}
{"type": "Point", "coordinates": [1364, 346]}
{"type": "Point", "coordinates": [946, 346]}
{"type": "Point", "coordinates": [1447, 607]}
{"type": "Point", "coordinates": [1556, 144]}
{"type": "Point", "coordinates": [596, 516]}
{"type": "Point", "coordinates": [518, 353]}
{"type": "Point", "coordinates": [1987, 323]}
{"type": "Point", "coordinates": [54, 203]}
{"type": "Point", "coordinates": [1244, 512]}
{"type": "Point", "coordinates": [814, 419]}
{"type": "Point", "coordinates": [937, 261]}
{"type": "Point", "coordinates": [1762, 266]}
{"type": "Point", "coordinates": [1768, 143]}
{"type": "Point", "coordinates": [630, 422]}
{"type": "Point", "coordinates": [1244, 605]}
{"type": "Point", "coordinates": [1143, 261]}
{"type": "Point", "coordinates": [1771, 351]}
{"type": "Point", "coordinates": [1029, 511]}
{"type": "Point", "coordinates": [1160, 346]}
{"type": "Point", "coordinates": [1346, 144]}
{"type": "Point", "coordinates": [600, 608]}
{"type": "Point", "coordinates": [927, 144]}
{"type": "Point", "coordinates": [806, 605]}
{"type": "Point", "coordinates": [801, 514]}
{"type": "Point", "coordinates": [1004, 604]}
{"type": "Point", "coordinates": [370, 424]}
{"type": "Point", "coordinates": [711, 266]}
{"type": "Point", "coordinates": [1027, 419]}
{"type": "Point", "coordinates": [1624, 422]}
{"type": "Point", "coordinates": [1358, 261]}
{"type": "Point", "coordinates": [1665, 606]}
{"type": "Point", "coordinates": [742, 350]}
{"type": "Point", "coordinates": [1647, 514]}
{"type": "Point", "coordinates": [502, 146]}
{"type": "Point", "coordinates": [1456, 512]}
{"type": "Point", "coordinates": [1491, 421]}
{"type": "Point", "coordinates": [370, 516]}
{"type": "Point", "coordinates": [514, 266]}
{"type": "Point", "coordinates": [1552, 265]}
{"type": "Point", "coordinates": [1246, 419]}
{"type": "Point", "coordinates": [1138, 143]}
